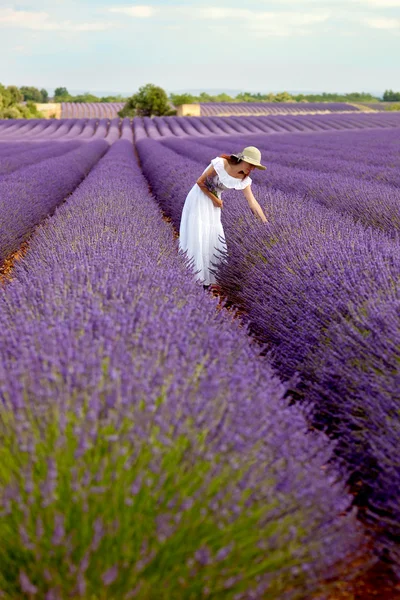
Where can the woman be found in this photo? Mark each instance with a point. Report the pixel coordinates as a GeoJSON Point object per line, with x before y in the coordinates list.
{"type": "Point", "coordinates": [201, 233]}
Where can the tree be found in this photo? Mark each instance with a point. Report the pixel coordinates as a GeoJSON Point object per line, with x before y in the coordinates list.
{"type": "Point", "coordinates": [61, 95]}
{"type": "Point", "coordinates": [249, 97]}
{"type": "Point", "coordinates": [391, 96]}
{"type": "Point", "coordinates": [61, 91]}
{"type": "Point", "coordinates": [284, 97]}
{"type": "Point", "coordinates": [86, 97]}
{"type": "Point", "coordinates": [11, 107]}
{"type": "Point", "coordinates": [148, 101]}
{"type": "Point", "coordinates": [31, 93]}
{"type": "Point", "coordinates": [204, 97]}
{"type": "Point", "coordinates": [15, 94]}
{"type": "Point", "coordinates": [179, 99]}
{"type": "Point", "coordinates": [117, 98]}
{"type": "Point", "coordinates": [45, 95]}
{"type": "Point", "coordinates": [223, 98]}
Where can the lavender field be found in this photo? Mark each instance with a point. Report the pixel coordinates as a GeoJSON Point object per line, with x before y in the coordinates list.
{"type": "Point", "coordinates": [81, 110]}
{"type": "Point", "coordinates": [154, 443]}
{"type": "Point", "coordinates": [209, 109]}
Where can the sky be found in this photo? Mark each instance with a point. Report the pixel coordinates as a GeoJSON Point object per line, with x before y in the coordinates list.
{"type": "Point", "coordinates": [233, 45]}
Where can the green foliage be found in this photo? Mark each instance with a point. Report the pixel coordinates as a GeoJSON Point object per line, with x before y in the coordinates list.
{"type": "Point", "coordinates": [86, 97]}
{"type": "Point", "coordinates": [204, 97]}
{"type": "Point", "coordinates": [32, 93]}
{"type": "Point", "coordinates": [178, 99]}
{"type": "Point", "coordinates": [117, 98]}
{"type": "Point", "coordinates": [45, 95]}
{"type": "Point", "coordinates": [284, 97]}
{"type": "Point", "coordinates": [15, 94]}
{"type": "Point", "coordinates": [31, 106]}
{"type": "Point", "coordinates": [93, 508]}
{"type": "Point", "coordinates": [249, 97]}
{"type": "Point", "coordinates": [391, 96]}
{"type": "Point", "coordinates": [11, 112]}
{"type": "Point", "coordinates": [11, 107]}
{"type": "Point", "coordinates": [395, 106]}
{"type": "Point", "coordinates": [333, 97]}
{"type": "Point", "coordinates": [60, 92]}
{"type": "Point", "coordinates": [148, 101]}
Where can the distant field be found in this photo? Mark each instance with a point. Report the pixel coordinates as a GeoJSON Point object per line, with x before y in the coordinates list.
{"type": "Point", "coordinates": [159, 127]}
{"type": "Point", "coordinates": [80, 110]}
{"type": "Point", "coordinates": [163, 127]}
{"type": "Point", "coordinates": [380, 105]}
{"type": "Point", "coordinates": [270, 108]}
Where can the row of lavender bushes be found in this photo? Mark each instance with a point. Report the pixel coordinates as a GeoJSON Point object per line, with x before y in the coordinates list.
{"type": "Point", "coordinates": [31, 193]}
{"type": "Point", "coordinates": [36, 177]}
{"type": "Point", "coordinates": [373, 204]}
{"type": "Point", "coordinates": [63, 130]}
{"type": "Point", "coordinates": [146, 449]}
{"type": "Point", "coordinates": [378, 161]}
{"type": "Point", "coordinates": [322, 292]}
{"type": "Point", "coordinates": [215, 108]}
{"type": "Point", "coordinates": [227, 126]}
{"type": "Point", "coordinates": [201, 127]}
{"type": "Point", "coordinates": [30, 154]}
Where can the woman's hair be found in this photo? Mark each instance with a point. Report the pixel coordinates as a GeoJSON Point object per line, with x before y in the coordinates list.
{"type": "Point", "coordinates": [232, 160]}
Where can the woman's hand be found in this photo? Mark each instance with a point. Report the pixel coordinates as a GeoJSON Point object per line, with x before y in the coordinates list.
{"type": "Point", "coordinates": [218, 202]}
{"type": "Point", "coordinates": [201, 182]}
{"type": "Point", "coordinates": [253, 204]}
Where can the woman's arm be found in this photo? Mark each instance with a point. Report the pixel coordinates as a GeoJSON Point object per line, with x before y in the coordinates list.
{"type": "Point", "coordinates": [210, 172]}
{"type": "Point", "coordinates": [255, 207]}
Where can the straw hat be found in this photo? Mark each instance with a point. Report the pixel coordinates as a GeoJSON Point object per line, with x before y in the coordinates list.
{"type": "Point", "coordinates": [251, 155]}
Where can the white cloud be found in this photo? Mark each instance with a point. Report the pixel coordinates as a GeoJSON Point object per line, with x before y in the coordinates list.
{"type": "Point", "coordinates": [382, 23]}
{"type": "Point", "coordinates": [214, 12]}
{"type": "Point", "coordinates": [271, 23]}
{"type": "Point", "coordinates": [139, 12]}
{"type": "Point", "coordinates": [41, 21]}
{"type": "Point", "coordinates": [380, 3]}
{"type": "Point", "coordinates": [339, 3]}
{"type": "Point", "coordinates": [254, 21]}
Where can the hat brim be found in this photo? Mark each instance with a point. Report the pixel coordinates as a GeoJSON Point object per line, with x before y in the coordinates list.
{"type": "Point", "coordinates": [251, 162]}
{"type": "Point", "coordinates": [256, 165]}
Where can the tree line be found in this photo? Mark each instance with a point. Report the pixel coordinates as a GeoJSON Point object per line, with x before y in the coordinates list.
{"type": "Point", "coordinates": [11, 106]}
{"type": "Point", "coordinates": [391, 96]}
{"type": "Point", "coordinates": [179, 99]}
{"type": "Point", "coordinates": [153, 100]}
{"type": "Point", "coordinates": [61, 94]}
{"type": "Point", "coordinates": [149, 100]}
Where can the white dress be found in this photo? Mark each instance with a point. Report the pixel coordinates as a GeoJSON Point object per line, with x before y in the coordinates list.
{"type": "Point", "coordinates": [201, 234]}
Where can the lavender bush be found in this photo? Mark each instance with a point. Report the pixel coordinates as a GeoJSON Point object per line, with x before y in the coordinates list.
{"type": "Point", "coordinates": [321, 291]}
{"type": "Point", "coordinates": [228, 126]}
{"type": "Point", "coordinates": [11, 149]}
{"type": "Point", "coordinates": [327, 303]}
{"type": "Point", "coordinates": [240, 108]}
{"type": "Point", "coordinates": [374, 204]}
{"type": "Point", "coordinates": [81, 110]}
{"type": "Point", "coordinates": [33, 153]}
{"type": "Point", "coordinates": [145, 444]}
{"type": "Point", "coordinates": [32, 193]}
{"type": "Point", "coordinates": [380, 163]}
